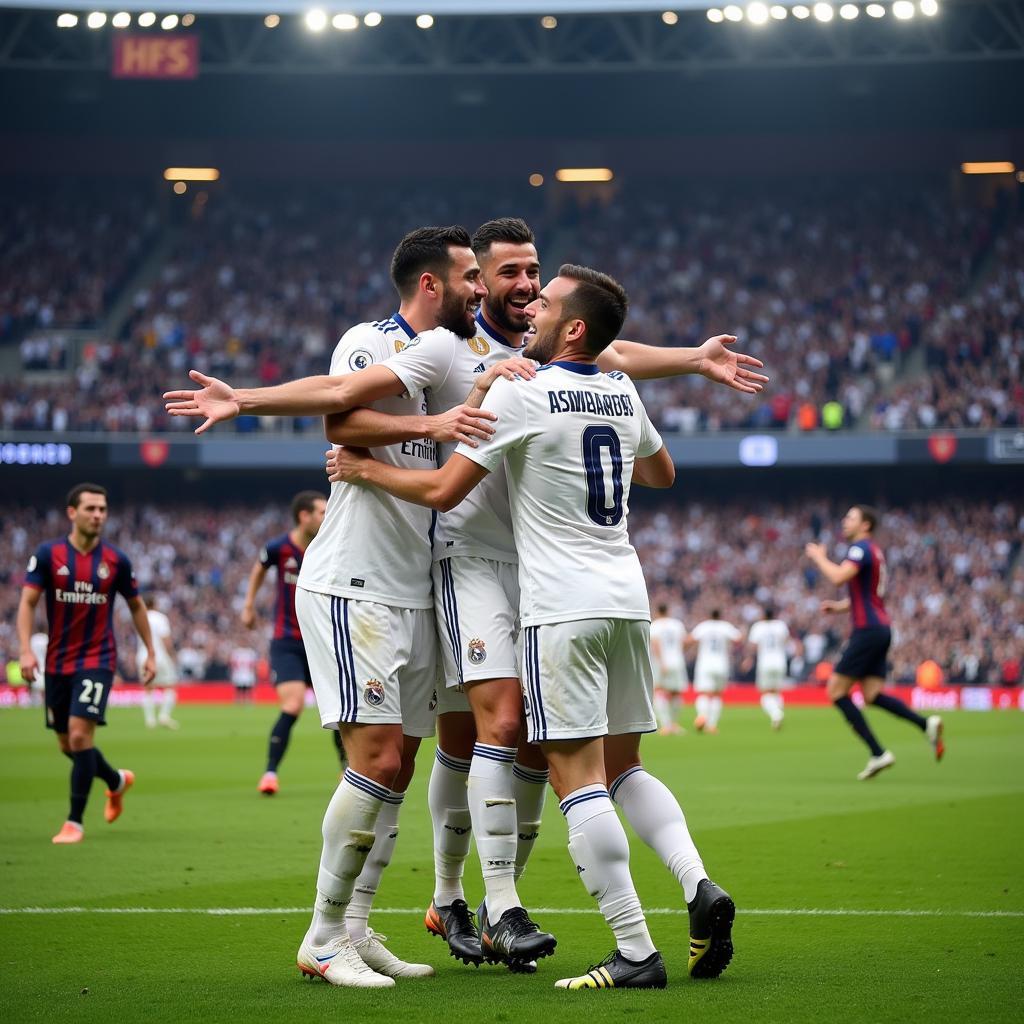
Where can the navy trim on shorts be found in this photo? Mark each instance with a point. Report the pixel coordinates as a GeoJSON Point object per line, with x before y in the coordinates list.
{"type": "Point", "coordinates": [532, 660]}
{"type": "Point", "coordinates": [450, 607]}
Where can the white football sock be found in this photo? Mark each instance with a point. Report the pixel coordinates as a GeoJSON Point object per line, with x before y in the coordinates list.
{"type": "Point", "coordinates": [600, 850]}
{"type": "Point", "coordinates": [493, 809]}
{"type": "Point", "coordinates": [448, 801]}
{"type": "Point", "coordinates": [655, 815]}
{"type": "Point", "coordinates": [149, 706]}
{"type": "Point", "coordinates": [714, 711]}
{"type": "Point", "coordinates": [662, 709]}
{"type": "Point", "coordinates": [348, 832]}
{"type": "Point", "coordinates": [529, 788]}
{"type": "Point", "coordinates": [772, 705]}
{"type": "Point", "coordinates": [385, 835]}
{"type": "Point", "coordinates": [170, 699]}
{"type": "Point", "coordinates": [702, 705]}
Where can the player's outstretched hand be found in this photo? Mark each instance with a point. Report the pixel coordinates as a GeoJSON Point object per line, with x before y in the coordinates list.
{"type": "Point", "coordinates": [344, 464]}
{"type": "Point", "coordinates": [149, 669]}
{"type": "Point", "coordinates": [463, 423]}
{"type": "Point", "coordinates": [248, 617]}
{"type": "Point", "coordinates": [832, 606]}
{"type": "Point", "coordinates": [815, 552]}
{"type": "Point", "coordinates": [215, 400]}
{"type": "Point", "coordinates": [731, 368]}
{"type": "Point", "coordinates": [29, 667]}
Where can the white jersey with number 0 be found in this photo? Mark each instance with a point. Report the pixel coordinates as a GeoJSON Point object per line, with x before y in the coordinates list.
{"type": "Point", "coordinates": [166, 669]}
{"type": "Point", "coordinates": [446, 366]}
{"type": "Point", "coordinates": [371, 546]}
{"type": "Point", "coordinates": [714, 641]}
{"type": "Point", "coordinates": [670, 634]}
{"type": "Point", "coordinates": [569, 439]}
{"type": "Point", "coordinates": [769, 636]}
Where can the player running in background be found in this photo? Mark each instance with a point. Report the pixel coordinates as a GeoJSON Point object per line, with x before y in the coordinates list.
{"type": "Point", "coordinates": [242, 663]}
{"type": "Point", "coordinates": [289, 669]}
{"type": "Point", "coordinates": [571, 437]}
{"type": "Point", "coordinates": [715, 639]}
{"type": "Point", "coordinates": [80, 575]}
{"type": "Point", "coordinates": [667, 638]}
{"type": "Point", "coordinates": [769, 636]}
{"type": "Point", "coordinates": [864, 658]}
{"type": "Point", "coordinates": [166, 669]}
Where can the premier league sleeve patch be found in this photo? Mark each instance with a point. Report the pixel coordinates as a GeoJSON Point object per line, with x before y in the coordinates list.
{"type": "Point", "coordinates": [360, 360]}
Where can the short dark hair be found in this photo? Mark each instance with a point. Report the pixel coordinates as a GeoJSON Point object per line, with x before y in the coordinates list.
{"type": "Point", "coordinates": [599, 301]}
{"type": "Point", "coordinates": [869, 515]}
{"type": "Point", "coordinates": [305, 501]}
{"type": "Point", "coordinates": [662, 608]}
{"type": "Point", "coordinates": [715, 613]}
{"type": "Point", "coordinates": [423, 250]}
{"type": "Point", "coordinates": [502, 229]}
{"type": "Point", "coordinates": [769, 612]}
{"type": "Point", "coordinates": [74, 498]}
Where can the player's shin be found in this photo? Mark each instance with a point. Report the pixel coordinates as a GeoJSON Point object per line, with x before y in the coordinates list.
{"type": "Point", "coordinates": [385, 836]}
{"type": "Point", "coordinates": [493, 810]}
{"type": "Point", "coordinates": [83, 771]}
{"type": "Point", "coordinates": [655, 815]}
{"type": "Point", "coordinates": [448, 800]}
{"type": "Point", "coordinates": [529, 788]}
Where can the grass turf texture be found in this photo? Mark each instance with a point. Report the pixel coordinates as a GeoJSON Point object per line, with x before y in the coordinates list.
{"type": "Point", "coordinates": [780, 820]}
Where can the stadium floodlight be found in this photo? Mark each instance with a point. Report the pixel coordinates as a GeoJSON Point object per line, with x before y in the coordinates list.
{"type": "Point", "coordinates": [316, 19]}
{"type": "Point", "coordinates": [801, 11]}
{"type": "Point", "coordinates": [715, 15]}
{"type": "Point", "coordinates": [424, 21]}
{"type": "Point", "coordinates": [849, 11]}
{"type": "Point", "coordinates": [121, 20]}
{"type": "Point", "coordinates": [733, 13]}
{"type": "Point", "coordinates": [169, 22]}
{"type": "Point", "coordinates": [670, 17]}
{"type": "Point", "coordinates": [929, 8]}
{"type": "Point", "coordinates": [903, 9]}
{"type": "Point", "coordinates": [180, 188]}
{"type": "Point", "coordinates": [372, 19]}
{"type": "Point", "coordinates": [584, 174]}
{"type": "Point", "coordinates": [536, 180]}
{"type": "Point", "coordinates": [549, 21]}
{"type": "Point", "coordinates": [874, 11]}
{"type": "Point", "coordinates": [824, 12]}
{"type": "Point", "coordinates": [757, 13]}
{"type": "Point", "coordinates": [97, 19]}
{"type": "Point", "coordinates": [272, 20]}
{"type": "Point", "coordinates": [147, 19]}
{"type": "Point", "coordinates": [191, 174]}
{"type": "Point", "coordinates": [778, 12]}
{"type": "Point", "coordinates": [188, 20]}
{"type": "Point", "coordinates": [345, 22]}
{"type": "Point", "coordinates": [988, 167]}
{"type": "Point", "coordinates": [67, 20]}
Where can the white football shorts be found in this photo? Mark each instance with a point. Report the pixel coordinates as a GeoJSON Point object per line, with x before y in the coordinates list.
{"type": "Point", "coordinates": [166, 674]}
{"type": "Point", "coordinates": [476, 601]}
{"type": "Point", "coordinates": [370, 664]}
{"type": "Point", "coordinates": [672, 679]}
{"type": "Point", "coordinates": [770, 675]}
{"type": "Point", "coordinates": [587, 678]}
{"type": "Point", "coordinates": [710, 678]}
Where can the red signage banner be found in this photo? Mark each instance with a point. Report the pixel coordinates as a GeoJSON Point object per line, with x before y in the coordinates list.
{"type": "Point", "coordinates": [155, 56]}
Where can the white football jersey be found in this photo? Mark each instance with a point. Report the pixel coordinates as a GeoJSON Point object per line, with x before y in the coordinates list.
{"type": "Point", "coordinates": [39, 642]}
{"type": "Point", "coordinates": [160, 627]}
{"type": "Point", "coordinates": [769, 636]}
{"type": "Point", "coordinates": [445, 366]}
{"type": "Point", "coordinates": [714, 639]}
{"type": "Point", "coordinates": [569, 439]}
{"type": "Point", "coordinates": [670, 634]}
{"type": "Point", "coordinates": [371, 546]}
{"type": "Point", "coordinates": [242, 666]}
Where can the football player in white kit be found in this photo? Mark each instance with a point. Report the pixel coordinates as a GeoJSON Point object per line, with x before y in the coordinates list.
{"type": "Point", "coordinates": [667, 638]}
{"type": "Point", "coordinates": [770, 636]}
{"type": "Point", "coordinates": [166, 669]}
{"type": "Point", "coordinates": [715, 640]}
{"type": "Point", "coordinates": [572, 439]}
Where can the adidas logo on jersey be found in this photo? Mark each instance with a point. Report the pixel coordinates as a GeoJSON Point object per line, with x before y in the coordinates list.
{"type": "Point", "coordinates": [479, 368]}
{"type": "Point", "coordinates": [63, 571]}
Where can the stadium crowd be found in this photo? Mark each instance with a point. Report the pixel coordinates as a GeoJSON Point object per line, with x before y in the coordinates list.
{"type": "Point", "coordinates": [955, 593]}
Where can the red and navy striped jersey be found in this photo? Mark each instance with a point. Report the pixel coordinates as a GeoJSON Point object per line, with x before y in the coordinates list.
{"type": "Point", "coordinates": [80, 593]}
{"type": "Point", "coordinates": [867, 588]}
{"type": "Point", "coordinates": [284, 555]}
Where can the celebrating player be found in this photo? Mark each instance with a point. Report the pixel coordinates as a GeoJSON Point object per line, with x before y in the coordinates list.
{"type": "Point", "coordinates": [572, 439]}
{"type": "Point", "coordinates": [715, 638]}
{"type": "Point", "coordinates": [80, 576]}
{"type": "Point", "coordinates": [864, 658]}
{"type": "Point", "coordinates": [288, 665]}
{"type": "Point", "coordinates": [667, 636]}
{"type": "Point", "coordinates": [769, 636]}
{"type": "Point", "coordinates": [166, 669]}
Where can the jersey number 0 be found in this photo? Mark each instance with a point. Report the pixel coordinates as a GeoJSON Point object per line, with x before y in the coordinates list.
{"type": "Point", "coordinates": [596, 440]}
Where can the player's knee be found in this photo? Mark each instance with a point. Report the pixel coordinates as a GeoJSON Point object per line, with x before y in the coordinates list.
{"type": "Point", "coordinates": [383, 764]}
{"type": "Point", "coordinates": [502, 726]}
{"type": "Point", "coordinates": [292, 707]}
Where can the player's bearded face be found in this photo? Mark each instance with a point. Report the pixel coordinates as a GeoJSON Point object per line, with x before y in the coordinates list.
{"type": "Point", "coordinates": [512, 277]}
{"type": "Point", "coordinates": [458, 310]}
{"type": "Point", "coordinates": [544, 344]}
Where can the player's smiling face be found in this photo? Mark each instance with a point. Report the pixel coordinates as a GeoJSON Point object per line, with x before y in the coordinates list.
{"type": "Point", "coordinates": [463, 291]}
{"type": "Point", "coordinates": [511, 272]}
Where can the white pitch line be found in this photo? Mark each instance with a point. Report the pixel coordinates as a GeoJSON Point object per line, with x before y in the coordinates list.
{"type": "Point", "coordinates": [743, 911]}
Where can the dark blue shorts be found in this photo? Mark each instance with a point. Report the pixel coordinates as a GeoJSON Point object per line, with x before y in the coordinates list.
{"type": "Point", "coordinates": [865, 653]}
{"type": "Point", "coordinates": [288, 662]}
{"type": "Point", "coordinates": [82, 694]}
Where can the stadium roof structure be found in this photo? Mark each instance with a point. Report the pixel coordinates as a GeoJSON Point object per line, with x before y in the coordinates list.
{"type": "Point", "coordinates": [502, 37]}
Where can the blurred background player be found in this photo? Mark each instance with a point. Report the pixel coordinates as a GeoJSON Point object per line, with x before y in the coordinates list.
{"type": "Point", "coordinates": [37, 687]}
{"type": "Point", "coordinates": [715, 640]}
{"type": "Point", "coordinates": [864, 657]}
{"type": "Point", "coordinates": [770, 635]}
{"type": "Point", "coordinates": [80, 575]}
{"type": "Point", "coordinates": [668, 635]}
{"type": "Point", "coordinates": [166, 670]}
{"type": "Point", "coordinates": [242, 671]}
{"type": "Point", "coordinates": [289, 669]}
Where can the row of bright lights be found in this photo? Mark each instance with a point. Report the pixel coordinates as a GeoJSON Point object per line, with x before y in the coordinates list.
{"type": "Point", "coordinates": [97, 19]}
{"type": "Point", "coordinates": [761, 13]}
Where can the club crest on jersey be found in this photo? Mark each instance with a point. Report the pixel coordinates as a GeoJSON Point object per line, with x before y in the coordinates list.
{"type": "Point", "coordinates": [477, 651]}
{"type": "Point", "coordinates": [103, 571]}
{"type": "Point", "coordinates": [373, 693]}
{"type": "Point", "coordinates": [359, 360]}
{"type": "Point", "coordinates": [479, 346]}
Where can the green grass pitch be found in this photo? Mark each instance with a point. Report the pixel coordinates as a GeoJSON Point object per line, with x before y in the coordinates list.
{"type": "Point", "coordinates": [780, 820]}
